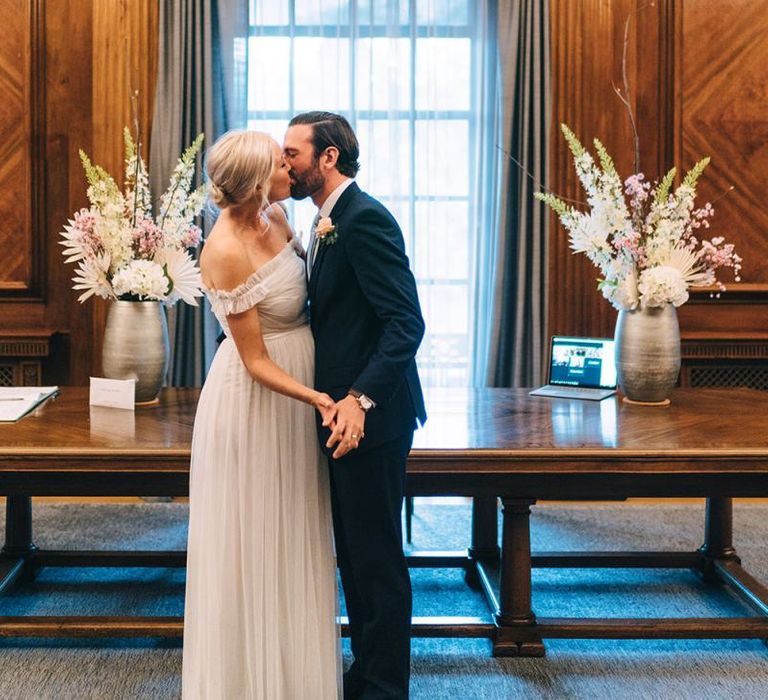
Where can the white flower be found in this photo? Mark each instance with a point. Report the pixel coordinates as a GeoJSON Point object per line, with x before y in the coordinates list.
{"type": "Point", "coordinates": [662, 285]}
{"type": "Point", "coordinates": [587, 234]}
{"type": "Point", "coordinates": [689, 263]}
{"type": "Point", "coordinates": [110, 240]}
{"type": "Point", "coordinates": [324, 228]}
{"type": "Point", "coordinates": [91, 275]}
{"type": "Point", "coordinates": [647, 248]}
{"type": "Point", "coordinates": [183, 274]}
{"type": "Point", "coordinates": [142, 278]}
{"type": "Point", "coordinates": [623, 292]}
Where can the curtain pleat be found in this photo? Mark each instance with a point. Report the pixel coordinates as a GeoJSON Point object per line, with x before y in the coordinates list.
{"type": "Point", "coordinates": [510, 309]}
{"type": "Point", "coordinates": [200, 89]}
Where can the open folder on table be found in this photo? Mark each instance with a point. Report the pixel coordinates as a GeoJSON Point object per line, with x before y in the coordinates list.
{"type": "Point", "coordinates": [17, 401]}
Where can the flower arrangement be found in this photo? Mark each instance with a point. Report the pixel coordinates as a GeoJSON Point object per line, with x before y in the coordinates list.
{"type": "Point", "coordinates": [125, 253]}
{"type": "Point", "coordinates": [644, 237]}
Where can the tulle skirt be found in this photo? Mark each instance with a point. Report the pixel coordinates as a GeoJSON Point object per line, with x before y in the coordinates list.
{"type": "Point", "coordinates": [261, 599]}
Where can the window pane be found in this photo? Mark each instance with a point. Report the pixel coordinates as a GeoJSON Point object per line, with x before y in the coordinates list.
{"type": "Point", "coordinates": [399, 208]}
{"type": "Point", "coordinates": [450, 12]}
{"type": "Point", "coordinates": [267, 12]}
{"type": "Point", "coordinates": [383, 74]}
{"type": "Point", "coordinates": [385, 12]}
{"type": "Point", "coordinates": [268, 62]}
{"type": "Point", "coordinates": [384, 157]}
{"type": "Point", "coordinates": [442, 74]}
{"type": "Point", "coordinates": [442, 240]}
{"type": "Point", "coordinates": [301, 214]}
{"type": "Point", "coordinates": [446, 306]}
{"type": "Point", "coordinates": [321, 73]}
{"type": "Point", "coordinates": [442, 157]}
{"type": "Point", "coordinates": [274, 127]}
{"type": "Point", "coordinates": [442, 359]}
{"type": "Point", "coordinates": [328, 12]}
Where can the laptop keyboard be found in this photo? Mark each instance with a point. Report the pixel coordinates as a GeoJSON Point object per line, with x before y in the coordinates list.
{"type": "Point", "coordinates": [573, 393]}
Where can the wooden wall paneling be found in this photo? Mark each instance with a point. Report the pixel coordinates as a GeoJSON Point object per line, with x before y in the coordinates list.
{"type": "Point", "coordinates": [21, 194]}
{"type": "Point", "coordinates": [67, 71]}
{"type": "Point", "coordinates": [723, 114]}
{"type": "Point", "coordinates": [69, 37]}
{"type": "Point", "coordinates": [25, 338]}
{"type": "Point", "coordinates": [587, 45]}
{"type": "Point", "coordinates": [720, 109]}
{"type": "Point", "coordinates": [125, 47]}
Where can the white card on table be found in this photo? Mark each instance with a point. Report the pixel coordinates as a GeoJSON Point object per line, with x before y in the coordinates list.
{"type": "Point", "coordinates": [113, 393]}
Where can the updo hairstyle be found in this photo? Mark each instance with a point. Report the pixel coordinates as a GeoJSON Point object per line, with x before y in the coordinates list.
{"type": "Point", "coordinates": [236, 165]}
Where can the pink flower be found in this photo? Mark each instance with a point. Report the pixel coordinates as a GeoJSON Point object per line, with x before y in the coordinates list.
{"type": "Point", "coordinates": [85, 225]}
{"type": "Point", "coordinates": [147, 238]}
{"type": "Point", "coordinates": [191, 237]}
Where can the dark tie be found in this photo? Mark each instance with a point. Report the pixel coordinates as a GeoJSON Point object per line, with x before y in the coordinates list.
{"type": "Point", "coordinates": [312, 248]}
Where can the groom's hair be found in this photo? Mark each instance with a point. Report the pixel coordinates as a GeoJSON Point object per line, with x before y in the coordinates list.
{"type": "Point", "coordinates": [329, 129]}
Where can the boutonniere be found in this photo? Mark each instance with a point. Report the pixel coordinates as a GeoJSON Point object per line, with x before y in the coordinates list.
{"type": "Point", "coordinates": [325, 231]}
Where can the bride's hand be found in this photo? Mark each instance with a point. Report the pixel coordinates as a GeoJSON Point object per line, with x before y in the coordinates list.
{"type": "Point", "coordinates": [327, 408]}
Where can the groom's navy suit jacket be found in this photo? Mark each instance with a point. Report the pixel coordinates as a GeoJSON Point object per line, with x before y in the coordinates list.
{"type": "Point", "coordinates": [366, 318]}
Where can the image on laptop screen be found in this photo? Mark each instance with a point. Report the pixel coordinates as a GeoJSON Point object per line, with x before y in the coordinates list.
{"type": "Point", "coordinates": [582, 362]}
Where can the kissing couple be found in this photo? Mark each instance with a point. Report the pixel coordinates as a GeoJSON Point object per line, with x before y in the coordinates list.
{"type": "Point", "coordinates": [303, 429]}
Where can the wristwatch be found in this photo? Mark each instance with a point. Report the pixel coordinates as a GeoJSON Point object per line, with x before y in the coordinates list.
{"type": "Point", "coordinates": [365, 403]}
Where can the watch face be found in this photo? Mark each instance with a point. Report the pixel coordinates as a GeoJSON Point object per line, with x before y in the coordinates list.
{"type": "Point", "coordinates": [365, 403]}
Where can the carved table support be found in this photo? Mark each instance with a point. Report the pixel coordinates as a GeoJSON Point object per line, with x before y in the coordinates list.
{"type": "Point", "coordinates": [516, 624]}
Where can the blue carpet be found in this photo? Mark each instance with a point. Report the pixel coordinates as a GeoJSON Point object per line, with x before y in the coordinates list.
{"type": "Point", "coordinates": [441, 667]}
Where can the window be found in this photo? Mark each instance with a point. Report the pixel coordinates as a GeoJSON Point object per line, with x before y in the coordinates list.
{"type": "Point", "coordinates": [400, 71]}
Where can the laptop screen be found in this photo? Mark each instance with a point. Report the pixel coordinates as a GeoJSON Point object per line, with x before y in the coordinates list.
{"type": "Point", "coordinates": [582, 362]}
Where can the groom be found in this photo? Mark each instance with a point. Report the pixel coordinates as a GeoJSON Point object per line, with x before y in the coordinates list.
{"type": "Point", "coordinates": [367, 324]}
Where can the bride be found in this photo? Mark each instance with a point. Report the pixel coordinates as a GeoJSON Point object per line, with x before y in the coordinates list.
{"type": "Point", "coordinates": [261, 603]}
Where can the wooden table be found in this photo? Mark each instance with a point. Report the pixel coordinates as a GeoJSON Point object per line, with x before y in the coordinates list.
{"type": "Point", "coordinates": [483, 443]}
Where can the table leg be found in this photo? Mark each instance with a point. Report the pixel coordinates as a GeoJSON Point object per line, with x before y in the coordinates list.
{"type": "Point", "coordinates": [722, 564]}
{"type": "Point", "coordinates": [18, 526]}
{"type": "Point", "coordinates": [485, 529]}
{"type": "Point", "coordinates": [485, 539]}
{"type": "Point", "coordinates": [517, 634]}
{"type": "Point", "coordinates": [18, 539]}
{"type": "Point", "coordinates": [718, 535]}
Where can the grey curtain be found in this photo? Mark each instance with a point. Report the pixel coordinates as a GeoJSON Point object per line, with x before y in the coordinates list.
{"type": "Point", "coordinates": [510, 309]}
{"type": "Point", "coordinates": [200, 89]}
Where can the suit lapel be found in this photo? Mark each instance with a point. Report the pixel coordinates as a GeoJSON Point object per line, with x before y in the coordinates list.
{"type": "Point", "coordinates": [336, 217]}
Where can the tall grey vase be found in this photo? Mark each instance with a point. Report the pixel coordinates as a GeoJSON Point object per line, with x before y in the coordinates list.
{"type": "Point", "coordinates": [136, 346]}
{"type": "Point", "coordinates": [648, 352]}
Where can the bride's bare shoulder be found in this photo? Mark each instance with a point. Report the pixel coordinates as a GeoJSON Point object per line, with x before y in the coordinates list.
{"type": "Point", "coordinates": [223, 262]}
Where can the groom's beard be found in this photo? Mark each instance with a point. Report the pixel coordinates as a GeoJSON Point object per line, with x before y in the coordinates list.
{"type": "Point", "coordinates": [306, 183]}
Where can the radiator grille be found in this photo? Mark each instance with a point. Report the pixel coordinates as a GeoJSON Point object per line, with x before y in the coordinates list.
{"type": "Point", "coordinates": [753, 377]}
{"type": "Point", "coordinates": [6, 375]}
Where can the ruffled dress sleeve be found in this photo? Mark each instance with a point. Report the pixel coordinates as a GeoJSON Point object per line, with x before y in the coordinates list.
{"type": "Point", "coordinates": [239, 299]}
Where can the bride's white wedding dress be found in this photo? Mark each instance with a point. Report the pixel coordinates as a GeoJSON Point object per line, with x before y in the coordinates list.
{"type": "Point", "coordinates": [261, 603]}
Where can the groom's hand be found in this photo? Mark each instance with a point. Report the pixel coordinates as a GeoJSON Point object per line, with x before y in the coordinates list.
{"type": "Point", "coordinates": [349, 428]}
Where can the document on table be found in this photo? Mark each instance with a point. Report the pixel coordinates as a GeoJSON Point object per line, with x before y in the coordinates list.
{"type": "Point", "coordinates": [17, 401]}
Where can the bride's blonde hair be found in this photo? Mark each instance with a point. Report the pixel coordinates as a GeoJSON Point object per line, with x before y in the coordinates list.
{"type": "Point", "coordinates": [238, 167]}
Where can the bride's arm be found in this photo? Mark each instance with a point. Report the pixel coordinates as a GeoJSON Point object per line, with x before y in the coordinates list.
{"type": "Point", "coordinates": [228, 269]}
{"type": "Point", "coordinates": [245, 329]}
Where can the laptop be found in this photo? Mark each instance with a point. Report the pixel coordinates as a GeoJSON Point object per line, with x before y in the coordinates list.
{"type": "Point", "coordinates": [580, 368]}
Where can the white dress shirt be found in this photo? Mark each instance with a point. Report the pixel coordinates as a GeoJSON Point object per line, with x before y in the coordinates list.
{"type": "Point", "coordinates": [325, 210]}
